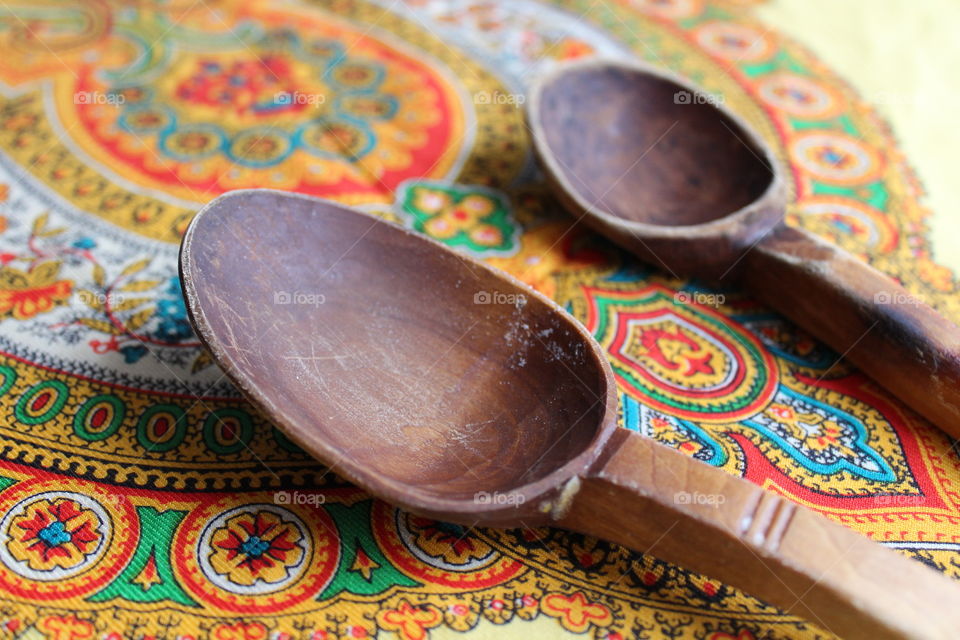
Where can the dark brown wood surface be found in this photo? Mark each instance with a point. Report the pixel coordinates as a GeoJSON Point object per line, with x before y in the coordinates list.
{"type": "Point", "coordinates": [416, 372]}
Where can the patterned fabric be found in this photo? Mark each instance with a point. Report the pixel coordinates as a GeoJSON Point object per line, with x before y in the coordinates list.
{"type": "Point", "coordinates": [142, 497]}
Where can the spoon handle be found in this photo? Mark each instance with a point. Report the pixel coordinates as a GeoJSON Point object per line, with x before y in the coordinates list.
{"type": "Point", "coordinates": [864, 315]}
{"type": "Point", "coordinates": [656, 500]}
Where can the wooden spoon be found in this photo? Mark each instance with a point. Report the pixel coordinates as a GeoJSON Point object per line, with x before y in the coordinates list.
{"type": "Point", "coordinates": [654, 164]}
{"type": "Point", "coordinates": [454, 391]}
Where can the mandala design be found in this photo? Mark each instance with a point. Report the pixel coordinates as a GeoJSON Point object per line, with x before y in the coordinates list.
{"type": "Point", "coordinates": [55, 535]}
{"type": "Point", "coordinates": [256, 557]}
{"type": "Point", "coordinates": [59, 544]}
{"type": "Point", "coordinates": [836, 158]}
{"type": "Point", "coordinates": [253, 551]}
{"type": "Point", "coordinates": [680, 358]}
{"type": "Point", "coordinates": [441, 553]}
{"type": "Point", "coordinates": [735, 42]}
{"type": "Point", "coordinates": [800, 96]}
{"type": "Point", "coordinates": [297, 99]}
{"type": "Point", "coordinates": [850, 223]}
{"type": "Point", "coordinates": [360, 115]}
{"type": "Point", "coordinates": [189, 515]}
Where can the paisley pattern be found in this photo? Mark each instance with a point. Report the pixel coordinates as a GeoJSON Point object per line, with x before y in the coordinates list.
{"type": "Point", "coordinates": [824, 439]}
{"type": "Point", "coordinates": [681, 358]}
{"type": "Point", "coordinates": [141, 496]}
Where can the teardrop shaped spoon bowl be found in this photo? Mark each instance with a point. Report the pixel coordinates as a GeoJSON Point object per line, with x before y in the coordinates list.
{"type": "Point", "coordinates": [454, 391]}
{"type": "Point", "coordinates": [370, 345]}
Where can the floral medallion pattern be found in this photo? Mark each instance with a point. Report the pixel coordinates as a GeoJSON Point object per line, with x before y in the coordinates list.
{"type": "Point", "coordinates": [55, 535]}
{"type": "Point", "coordinates": [256, 557]}
{"type": "Point", "coordinates": [223, 118]}
{"type": "Point", "coordinates": [141, 496]}
{"type": "Point", "coordinates": [255, 550]}
{"type": "Point", "coordinates": [59, 544]}
{"type": "Point", "coordinates": [476, 220]}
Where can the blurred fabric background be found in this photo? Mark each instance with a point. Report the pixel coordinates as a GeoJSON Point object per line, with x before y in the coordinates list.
{"type": "Point", "coordinates": [902, 56]}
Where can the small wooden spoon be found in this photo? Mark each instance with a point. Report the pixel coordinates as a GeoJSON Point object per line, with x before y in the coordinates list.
{"type": "Point", "coordinates": [651, 162]}
{"type": "Point", "coordinates": [454, 391]}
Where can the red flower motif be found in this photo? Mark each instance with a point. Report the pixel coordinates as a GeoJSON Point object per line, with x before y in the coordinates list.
{"type": "Point", "coordinates": [54, 534]}
{"type": "Point", "coordinates": [254, 546]}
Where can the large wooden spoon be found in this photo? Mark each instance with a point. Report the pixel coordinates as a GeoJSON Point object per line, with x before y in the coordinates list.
{"type": "Point", "coordinates": [454, 391]}
{"type": "Point", "coordinates": [659, 167]}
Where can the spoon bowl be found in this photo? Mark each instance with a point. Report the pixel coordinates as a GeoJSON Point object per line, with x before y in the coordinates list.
{"type": "Point", "coordinates": [655, 163]}
{"type": "Point", "coordinates": [370, 345]}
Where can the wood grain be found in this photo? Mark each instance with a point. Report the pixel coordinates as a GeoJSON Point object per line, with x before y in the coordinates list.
{"type": "Point", "coordinates": [658, 501]}
{"type": "Point", "coordinates": [420, 374]}
{"type": "Point", "coordinates": [865, 316]}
